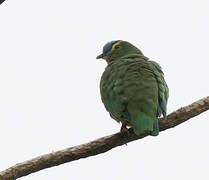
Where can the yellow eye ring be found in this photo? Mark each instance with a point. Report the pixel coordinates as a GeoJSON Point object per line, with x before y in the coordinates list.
{"type": "Point", "coordinates": [114, 46]}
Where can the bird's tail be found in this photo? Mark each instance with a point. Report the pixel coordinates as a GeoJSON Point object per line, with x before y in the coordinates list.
{"type": "Point", "coordinates": [145, 124]}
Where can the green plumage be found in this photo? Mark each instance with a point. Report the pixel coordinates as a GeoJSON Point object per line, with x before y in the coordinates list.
{"type": "Point", "coordinates": [133, 88]}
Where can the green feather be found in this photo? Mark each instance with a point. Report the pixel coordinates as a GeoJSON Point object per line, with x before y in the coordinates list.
{"type": "Point", "coordinates": [133, 89]}
{"type": "Point", "coordinates": [145, 124]}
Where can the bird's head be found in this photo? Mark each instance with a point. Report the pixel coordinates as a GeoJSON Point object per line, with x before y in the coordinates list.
{"type": "Point", "coordinates": [116, 49]}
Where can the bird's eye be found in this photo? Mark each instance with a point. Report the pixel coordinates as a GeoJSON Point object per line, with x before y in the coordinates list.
{"type": "Point", "coordinates": [117, 47]}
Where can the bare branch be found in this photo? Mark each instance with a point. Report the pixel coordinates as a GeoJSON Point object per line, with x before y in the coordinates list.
{"type": "Point", "coordinates": [100, 145]}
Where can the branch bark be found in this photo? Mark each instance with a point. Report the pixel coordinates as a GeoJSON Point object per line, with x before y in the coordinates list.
{"type": "Point", "coordinates": [100, 145]}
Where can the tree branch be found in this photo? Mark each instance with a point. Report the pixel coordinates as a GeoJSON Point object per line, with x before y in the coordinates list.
{"type": "Point", "coordinates": [100, 145]}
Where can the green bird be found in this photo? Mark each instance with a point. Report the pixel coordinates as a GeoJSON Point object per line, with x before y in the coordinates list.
{"type": "Point", "coordinates": [133, 88]}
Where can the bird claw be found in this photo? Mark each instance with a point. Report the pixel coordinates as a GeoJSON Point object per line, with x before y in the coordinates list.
{"type": "Point", "coordinates": [124, 129]}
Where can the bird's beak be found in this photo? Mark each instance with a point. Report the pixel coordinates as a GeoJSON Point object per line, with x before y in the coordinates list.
{"type": "Point", "coordinates": [100, 56]}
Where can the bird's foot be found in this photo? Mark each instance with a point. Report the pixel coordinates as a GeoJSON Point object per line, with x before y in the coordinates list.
{"type": "Point", "coordinates": [123, 128]}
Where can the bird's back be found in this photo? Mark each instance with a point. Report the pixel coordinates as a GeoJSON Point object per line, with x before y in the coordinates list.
{"type": "Point", "coordinates": [129, 88]}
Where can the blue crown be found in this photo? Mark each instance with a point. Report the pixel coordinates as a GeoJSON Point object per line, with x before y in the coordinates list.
{"type": "Point", "coordinates": [107, 48]}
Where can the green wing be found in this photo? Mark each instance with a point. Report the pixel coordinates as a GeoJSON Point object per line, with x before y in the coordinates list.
{"type": "Point", "coordinates": [163, 91]}
{"type": "Point", "coordinates": [134, 92]}
{"type": "Point", "coordinates": [141, 89]}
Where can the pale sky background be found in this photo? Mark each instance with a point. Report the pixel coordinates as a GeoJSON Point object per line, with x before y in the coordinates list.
{"type": "Point", "coordinates": [49, 84]}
